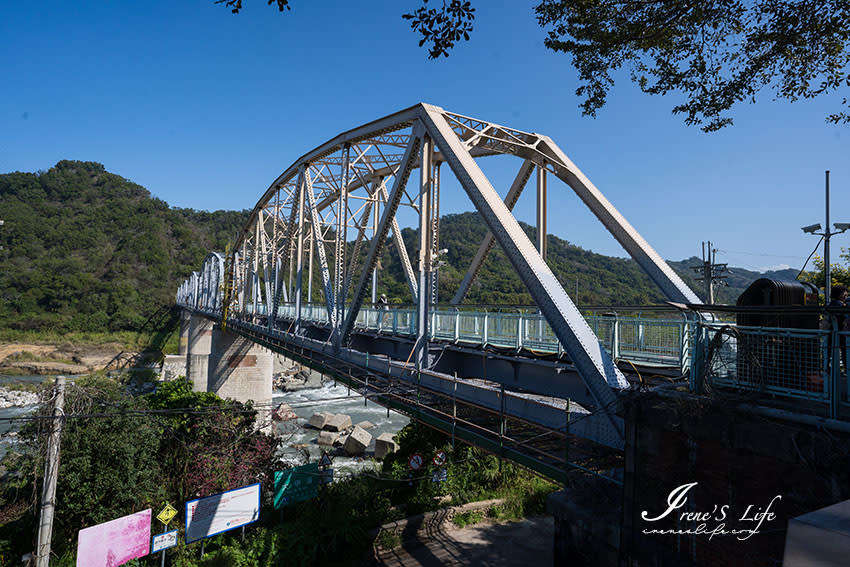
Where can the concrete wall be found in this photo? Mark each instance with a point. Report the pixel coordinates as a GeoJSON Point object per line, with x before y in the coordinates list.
{"type": "Point", "coordinates": [199, 347]}
{"type": "Point", "coordinates": [173, 367]}
{"type": "Point", "coordinates": [741, 459]}
{"type": "Point", "coordinates": [587, 523]}
{"type": "Point", "coordinates": [241, 370]}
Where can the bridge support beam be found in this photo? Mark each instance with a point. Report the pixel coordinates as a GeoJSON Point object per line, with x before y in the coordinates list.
{"type": "Point", "coordinates": [241, 370]}
{"type": "Point", "coordinates": [198, 351]}
{"type": "Point", "coordinates": [423, 300]}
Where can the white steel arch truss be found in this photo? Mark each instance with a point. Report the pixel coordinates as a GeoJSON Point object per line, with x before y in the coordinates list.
{"type": "Point", "coordinates": [204, 290]}
{"type": "Point", "coordinates": [333, 199]}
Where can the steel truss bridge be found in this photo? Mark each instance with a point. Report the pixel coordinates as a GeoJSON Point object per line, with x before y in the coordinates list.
{"type": "Point", "coordinates": [538, 387]}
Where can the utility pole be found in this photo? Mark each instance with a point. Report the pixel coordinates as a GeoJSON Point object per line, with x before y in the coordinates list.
{"type": "Point", "coordinates": [51, 472]}
{"type": "Point", "coordinates": [711, 272]}
{"type": "Point", "coordinates": [826, 234]}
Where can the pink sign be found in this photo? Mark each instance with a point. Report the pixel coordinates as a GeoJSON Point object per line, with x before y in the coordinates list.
{"type": "Point", "coordinates": [115, 542]}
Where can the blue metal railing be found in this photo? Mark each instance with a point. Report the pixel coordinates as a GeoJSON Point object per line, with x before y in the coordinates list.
{"type": "Point", "coordinates": [639, 339]}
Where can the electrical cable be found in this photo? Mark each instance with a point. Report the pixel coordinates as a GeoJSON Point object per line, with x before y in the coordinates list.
{"type": "Point", "coordinates": [809, 258]}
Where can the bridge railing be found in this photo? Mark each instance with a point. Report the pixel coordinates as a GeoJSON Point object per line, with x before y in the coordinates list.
{"type": "Point", "coordinates": [801, 369]}
{"type": "Point", "coordinates": [653, 338]}
{"type": "Point", "coordinates": [631, 336]}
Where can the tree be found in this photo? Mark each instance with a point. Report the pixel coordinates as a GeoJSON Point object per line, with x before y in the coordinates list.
{"type": "Point", "coordinates": [108, 466]}
{"type": "Point", "coordinates": [210, 451]}
{"type": "Point", "coordinates": [716, 53]}
{"type": "Point", "coordinates": [839, 274]}
{"type": "Point", "coordinates": [236, 5]}
{"type": "Point", "coordinates": [121, 454]}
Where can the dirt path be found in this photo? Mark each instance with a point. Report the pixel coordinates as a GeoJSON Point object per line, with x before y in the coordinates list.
{"type": "Point", "coordinates": [515, 544]}
{"type": "Point", "coordinates": [30, 358]}
{"type": "Point", "coordinates": [15, 348]}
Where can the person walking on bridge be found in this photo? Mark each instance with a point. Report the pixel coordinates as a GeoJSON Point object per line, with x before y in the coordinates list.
{"type": "Point", "coordinates": [383, 306]}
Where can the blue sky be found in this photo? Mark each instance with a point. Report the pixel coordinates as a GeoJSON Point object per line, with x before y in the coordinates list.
{"type": "Point", "coordinates": [205, 109]}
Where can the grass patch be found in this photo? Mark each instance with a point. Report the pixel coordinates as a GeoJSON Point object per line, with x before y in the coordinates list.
{"type": "Point", "coordinates": [128, 339]}
{"type": "Point", "coordinates": [468, 518]}
{"type": "Point", "coordinates": [27, 356]}
{"type": "Point", "coordinates": [388, 539]}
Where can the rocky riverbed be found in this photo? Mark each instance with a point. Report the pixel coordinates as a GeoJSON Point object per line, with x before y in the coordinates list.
{"type": "Point", "coordinates": [16, 398]}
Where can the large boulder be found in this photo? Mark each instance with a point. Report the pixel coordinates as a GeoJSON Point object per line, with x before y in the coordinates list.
{"type": "Point", "coordinates": [319, 420]}
{"type": "Point", "coordinates": [301, 380]}
{"type": "Point", "coordinates": [283, 412]}
{"type": "Point", "coordinates": [384, 445]}
{"type": "Point", "coordinates": [357, 442]}
{"type": "Point", "coordinates": [328, 438]}
{"type": "Point", "coordinates": [366, 425]}
{"type": "Point", "coordinates": [338, 422]}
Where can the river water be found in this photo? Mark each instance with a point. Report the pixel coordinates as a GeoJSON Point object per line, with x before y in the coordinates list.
{"type": "Point", "coordinates": [299, 442]}
{"type": "Point", "coordinates": [7, 442]}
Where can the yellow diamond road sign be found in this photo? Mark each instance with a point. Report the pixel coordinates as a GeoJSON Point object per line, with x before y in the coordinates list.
{"type": "Point", "coordinates": [167, 514]}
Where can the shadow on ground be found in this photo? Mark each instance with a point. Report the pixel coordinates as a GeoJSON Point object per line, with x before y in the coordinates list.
{"type": "Point", "coordinates": [515, 544]}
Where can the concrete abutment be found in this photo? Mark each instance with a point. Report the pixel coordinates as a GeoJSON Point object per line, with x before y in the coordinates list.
{"type": "Point", "coordinates": [241, 370]}
{"type": "Point", "coordinates": [227, 364]}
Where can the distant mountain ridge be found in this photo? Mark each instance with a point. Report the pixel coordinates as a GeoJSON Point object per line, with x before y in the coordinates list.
{"type": "Point", "coordinates": [739, 279]}
{"type": "Point", "coordinates": [85, 249]}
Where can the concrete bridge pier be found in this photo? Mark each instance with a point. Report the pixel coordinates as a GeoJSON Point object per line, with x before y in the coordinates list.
{"type": "Point", "coordinates": [185, 323]}
{"type": "Point", "coordinates": [199, 348]}
{"type": "Point", "coordinates": [175, 365]}
{"type": "Point", "coordinates": [241, 370]}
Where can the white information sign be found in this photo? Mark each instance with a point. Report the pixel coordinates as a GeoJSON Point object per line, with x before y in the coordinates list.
{"type": "Point", "coordinates": [221, 512]}
{"type": "Point", "coordinates": [164, 541]}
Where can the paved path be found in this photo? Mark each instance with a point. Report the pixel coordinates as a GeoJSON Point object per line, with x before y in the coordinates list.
{"type": "Point", "coordinates": [516, 544]}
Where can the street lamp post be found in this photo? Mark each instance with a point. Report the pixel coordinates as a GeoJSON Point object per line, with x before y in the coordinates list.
{"type": "Point", "coordinates": [826, 234]}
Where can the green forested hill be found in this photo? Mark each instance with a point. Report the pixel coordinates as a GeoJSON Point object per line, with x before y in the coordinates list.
{"type": "Point", "coordinates": [85, 249]}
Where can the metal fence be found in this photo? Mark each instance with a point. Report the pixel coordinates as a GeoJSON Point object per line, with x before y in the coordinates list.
{"type": "Point", "coordinates": [635, 336]}
{"type": "Point", "coordinates": [773, 363]}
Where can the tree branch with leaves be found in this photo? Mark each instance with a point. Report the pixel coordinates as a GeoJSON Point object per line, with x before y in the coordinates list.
{"type": "Point", "coordinates": [716, 54]}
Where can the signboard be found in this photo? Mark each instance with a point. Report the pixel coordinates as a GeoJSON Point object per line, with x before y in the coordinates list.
{"type": "Point", "coordinates": [415, 462]}
{"type": "Point", "coordinates": [115, 542]}
{"type": "Point", "coordinates": [326, 460]}
{"type": "Point", "coordinates": [167, 514]}
{"type": "Point", "coordinates": [440, 475]}
{"type": "Point", "coordinates": [206, 517]}
{"type": "Point", "coordinates": [440, 458]}
{"type": "Point", "coordinates": [164, 541]}
{"type": "Point", "coordinates": [295, 485]}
